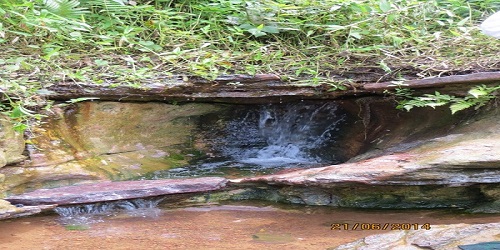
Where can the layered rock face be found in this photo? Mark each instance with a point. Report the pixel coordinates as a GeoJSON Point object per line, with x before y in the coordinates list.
{"type": "Point", "coordinates": [420, 159]}
{"type": "Point", "coordinates": [96, 141]}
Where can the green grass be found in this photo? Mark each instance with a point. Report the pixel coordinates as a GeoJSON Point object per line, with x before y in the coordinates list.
{"type": "Point", "coordinates": [335, 42]}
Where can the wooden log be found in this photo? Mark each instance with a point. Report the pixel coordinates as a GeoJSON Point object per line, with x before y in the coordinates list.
{"type": "Point", "coordinates": [265, 88]}
{"type": "Point", "coordinates": [476, 78]}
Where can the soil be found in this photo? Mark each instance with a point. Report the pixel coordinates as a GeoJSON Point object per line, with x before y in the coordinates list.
{"type": "Point", "coordinates": [231, 226]}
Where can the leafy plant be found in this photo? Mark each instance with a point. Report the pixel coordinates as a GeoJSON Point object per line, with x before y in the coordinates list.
{"type": "Point", "coordinates": [477, 97]}
{"type": "Point", "coordinates": [65, 8]}
{"type": "Point", "coordinates": [19, 114]}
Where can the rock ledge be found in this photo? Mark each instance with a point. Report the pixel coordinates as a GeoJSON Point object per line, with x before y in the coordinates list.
{"type": "Point", "coordinates": [109, 191]}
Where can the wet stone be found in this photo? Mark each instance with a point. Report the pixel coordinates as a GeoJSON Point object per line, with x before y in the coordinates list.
{"type": "Point", "coordinates": [109, 191]}
{"type": "Point", "coordinates": [9, 211]}
{"type": "Point", "coordinates": [11, 143]}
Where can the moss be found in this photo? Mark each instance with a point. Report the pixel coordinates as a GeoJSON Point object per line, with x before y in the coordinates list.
{"type": "Point", "coordinates": [76, 227]}
{"type": "Point", "coordinates": [175, 157]}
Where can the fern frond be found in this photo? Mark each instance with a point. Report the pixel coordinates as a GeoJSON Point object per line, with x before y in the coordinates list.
{"type": "Point", "coordinates": [65, 8]}
{"type": "Point", "coordinates": [113, 7]}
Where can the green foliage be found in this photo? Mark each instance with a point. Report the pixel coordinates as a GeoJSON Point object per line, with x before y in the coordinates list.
{"type": "Point", "coordinates": [19, 114]}
{"type": "Point", "coordinates": [65, 8]}
{"type": "Point", "coordinates": [477, 97]}
{"type": "Point", "coordinates": [114, 42]}
{"type": "Point", "coordinates": [150, 26]}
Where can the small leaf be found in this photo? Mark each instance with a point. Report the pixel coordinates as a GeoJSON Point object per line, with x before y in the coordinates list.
{"type": "Point", "coordinates": [271, 29]}
{"type": "Point", "coordinates": [436, 104]}
{"type": "Point", "coordinates": [408, 107]}
{"type": "Point", "coordinates": [459, 106]}
{"type": "Point", "coordinates": [75, 34]}
{"type": "Point", "coordinates": [16, 112]}
{"type": "Point", "coordinates": [461, 23]}
{"type": "Point", "coordinates": [335, 7]}
{"type": "Point", "coordinates": [247, 26]}
{"type": "Point", "coordinates": [100, 62]}
{"type": "Point", "coordinates": [356, 35]}
{"type": "Point", "coordinates": [20, 127]}
{"type": "Point", "coordinates": [12, 67]}
{"type": "Point", "coordinates": [384, 66]}
{"type": "Point", "coordinates": [477, 92]}
{"type": "Point", "coordinates": [257, 32]}
{"type": "Point", "coordinates": [384, 5]}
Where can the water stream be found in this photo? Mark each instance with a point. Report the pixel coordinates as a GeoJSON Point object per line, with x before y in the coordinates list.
{"type": "Point", "coordinates": [86, 214]}
{"type": "Point", "coordinates": [245, 224]}
{"type": "Point", "coordinates": [266, 138]}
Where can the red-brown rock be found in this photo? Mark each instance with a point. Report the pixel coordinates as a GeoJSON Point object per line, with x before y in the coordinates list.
{"type": "Point", "coordinates": [109, 191]}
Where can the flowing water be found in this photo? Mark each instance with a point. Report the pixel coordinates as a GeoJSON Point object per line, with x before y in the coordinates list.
{"type": "Point", "coordinates": [266, 138]}
{"type": "Point", "coordinates": [85, 214]}
{"type": "Point", "coordinates": [242, 225]}
{"type": "Point", "coordinates": [277, 136]}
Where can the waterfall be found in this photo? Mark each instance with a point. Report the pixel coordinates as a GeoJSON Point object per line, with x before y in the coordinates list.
{"type": "Point", "coordinates": [265, 138]}
{"type": "Point", "coordinates": [278, 135]}
{"type": "Point", "coordinates": [85, 214]}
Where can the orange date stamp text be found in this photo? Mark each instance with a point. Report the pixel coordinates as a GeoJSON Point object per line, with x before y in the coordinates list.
{"type": "Point", "coordinates": [380, 226]}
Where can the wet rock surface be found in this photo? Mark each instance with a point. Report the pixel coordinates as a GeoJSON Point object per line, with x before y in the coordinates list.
{"type": "Point", "coordinates": [439, 237]}
{"type": "Point", "coordinates": [95, 141]}
{"type": "Point", "coordinates": [110, 191]}
{"type": "Point", "coordinates": [458, 170]}
{"type": "Point", "coordinates": [11, 143]}
{"type": "Point", "coordinates": [21, 179]}
{"type": "Point", "coordinates": [8, 211]}
{"type": "Point", "coordinates": [422, 159]}
{"type": "Point", "coordinates": [108, 128]}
